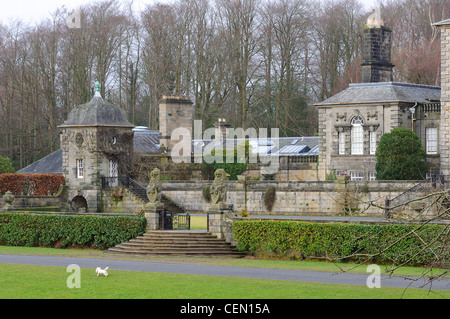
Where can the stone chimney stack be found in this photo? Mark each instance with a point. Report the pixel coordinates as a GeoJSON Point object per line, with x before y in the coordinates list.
{"type": "Point", "coordinates": [377, 65]}
{"type": "Point", "coordinates": [444, 126]}
{"type": "Point", "coordinates": [221, 128]}
{"type": "Point", "coordinates": [174, 112]}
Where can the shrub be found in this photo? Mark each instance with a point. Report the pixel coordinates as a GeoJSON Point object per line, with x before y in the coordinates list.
{"type": "Point", "coordinates": [400, 156]}
{"type": "Point", "coordinates": [101, 232]}
{"type": "Point", "coordinates": [206, 193]}
{"type": "Point", "coordinates": [269, 198]}
{"type": "Point", "coordinates": [237, 167]}
{"type": "Point", "coordinates": [6, 165]}
{"type": "Point", "coordinates": [364, 243]}
{"type": "Point", "coordinates": [30, 184]}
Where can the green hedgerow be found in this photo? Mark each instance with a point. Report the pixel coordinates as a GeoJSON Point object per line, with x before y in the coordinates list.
{"type": "Point", "coordinates": [384, 244]}
{"type": "Point", "coordinates": [101, 232]}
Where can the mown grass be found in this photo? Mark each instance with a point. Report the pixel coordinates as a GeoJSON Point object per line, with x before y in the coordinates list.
{"type": "Point", "coordinates": [198, 222]}
{"type": "Point", "coordinates": [47, 282]}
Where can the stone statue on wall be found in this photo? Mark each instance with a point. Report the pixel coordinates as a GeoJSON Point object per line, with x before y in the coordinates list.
{"type": "Point", "coordinates": [154, 187]}
{"type": "Point", "coordinates": [8, 199]}
{"type": "Point", "coordinates": [218, 189]}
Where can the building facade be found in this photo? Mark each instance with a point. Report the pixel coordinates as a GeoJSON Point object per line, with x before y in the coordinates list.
{"type": "Point", "coordinates": [352, 122]}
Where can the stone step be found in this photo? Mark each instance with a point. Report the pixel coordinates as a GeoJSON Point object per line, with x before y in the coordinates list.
{"type": "Point", "coordinates": [176, 243]}
{"type": "Point", "coordinates": [185, 252]}
{"type": "Point", "coordinates": [175, 249]}
{"type": "Point", "coordinates": [177, 238]}
{"type": "Point", "coordinates": [210, 242]}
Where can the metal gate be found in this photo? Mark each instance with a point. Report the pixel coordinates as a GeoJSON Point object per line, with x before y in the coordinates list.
{"type": "Point", "coordinates": [174, 221]}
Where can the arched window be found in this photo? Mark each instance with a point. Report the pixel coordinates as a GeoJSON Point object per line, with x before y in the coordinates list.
{"type": "Point", "coordinates": [357, 135]}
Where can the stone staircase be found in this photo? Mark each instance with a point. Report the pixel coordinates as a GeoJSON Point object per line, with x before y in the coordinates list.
{"type": "Point", "coordinates": [177, 243]}
{"type": "Point", "coordinates": [140, 191]}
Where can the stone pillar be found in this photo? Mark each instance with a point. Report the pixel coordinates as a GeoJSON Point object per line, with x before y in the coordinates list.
{"type": "Point", "coordinates": [220, 224]}
{"type": "Point", "coordinates": [324, 144]}
{"type": "Point", "coordinates": [152, 213]}
{"type": "Point", "coordinates": [444, 134]}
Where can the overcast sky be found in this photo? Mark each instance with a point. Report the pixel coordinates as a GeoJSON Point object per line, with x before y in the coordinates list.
{"type": "Point", "coordinates": [32, 11]}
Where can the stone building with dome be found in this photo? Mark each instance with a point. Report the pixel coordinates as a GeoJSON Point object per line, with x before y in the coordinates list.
{"type": "Point", "coordinates": [96, 141]}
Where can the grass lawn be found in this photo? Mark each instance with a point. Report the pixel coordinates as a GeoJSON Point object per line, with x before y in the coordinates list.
{"type": "Point", "coordinates": [198, 222]}
{"type": "Point", "coordinates": [44, 282]}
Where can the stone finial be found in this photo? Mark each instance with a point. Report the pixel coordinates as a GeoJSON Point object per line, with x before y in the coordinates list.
{"type": "Point", "coordinates": [97, 89]}
{"type": "Point", "coordinates": [374, 19]}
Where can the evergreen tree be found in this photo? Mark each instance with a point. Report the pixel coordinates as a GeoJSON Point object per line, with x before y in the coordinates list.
{"type": "Point", "coordinates": [400, 156]}
{"type": "Point", "coordinates": [6, 165]}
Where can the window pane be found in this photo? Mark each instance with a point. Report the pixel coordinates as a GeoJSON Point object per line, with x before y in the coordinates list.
{"type": "Point", "coordinates": [80, 171]}
{"type": "Point", "coordinates": [341, 143]}
{"type": "Point", "coordinates": [357, 176]}
{"type": "Point", "coordinates": [431, 140]}
{"type": "Point", "coordinates": [373, 142]}
{"type": "Point", "coordinates": [357, 140]}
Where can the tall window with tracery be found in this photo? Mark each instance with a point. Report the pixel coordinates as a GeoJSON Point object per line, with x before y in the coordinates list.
{"type": "Point", "coordinates": [357, 135]}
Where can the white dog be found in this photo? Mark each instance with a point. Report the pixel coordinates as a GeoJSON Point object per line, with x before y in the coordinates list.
{"type": "Point", "coordinates": [99, 271]}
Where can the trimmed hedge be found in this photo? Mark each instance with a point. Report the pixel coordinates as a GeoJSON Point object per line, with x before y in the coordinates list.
{"type": "Point", "coordinates": [31, 184]}
{"type": "Point", "coordinates": [63, 231]}
{"type": "Point", "coordinates": [346, 242]}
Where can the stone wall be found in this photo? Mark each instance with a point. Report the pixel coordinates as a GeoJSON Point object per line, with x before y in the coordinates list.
{"type": "Point", "coordinates": [26, 201]}
{"type": "Point", "coordinates": [120, 200]}
{"type": "Point", "coordinates": [293, 197]}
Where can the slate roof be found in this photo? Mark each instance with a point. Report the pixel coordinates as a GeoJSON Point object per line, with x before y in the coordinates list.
{"type": "Point", "coordinates": [97, 112]}
{"type": "Point", "coordinates": [385, 92]}
{"type": "Point", "coordinates": [50, 164]}
{"type": "Point", "coordinates": [146, 141]}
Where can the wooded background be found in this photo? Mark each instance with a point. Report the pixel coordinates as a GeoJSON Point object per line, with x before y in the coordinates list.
{"type": "Point", "coordinates": [256, 63]}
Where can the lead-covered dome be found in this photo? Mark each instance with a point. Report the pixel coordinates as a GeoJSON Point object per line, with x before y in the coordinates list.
{"type": "Point", "coordinates": [97, 112]}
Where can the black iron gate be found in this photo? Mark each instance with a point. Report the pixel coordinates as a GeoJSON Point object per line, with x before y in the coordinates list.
{"type": "Point", "coordinates": [174, 221]}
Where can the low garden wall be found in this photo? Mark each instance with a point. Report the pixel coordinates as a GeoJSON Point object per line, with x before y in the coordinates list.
{"type": "Point", "coordinates": [34, 191]}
